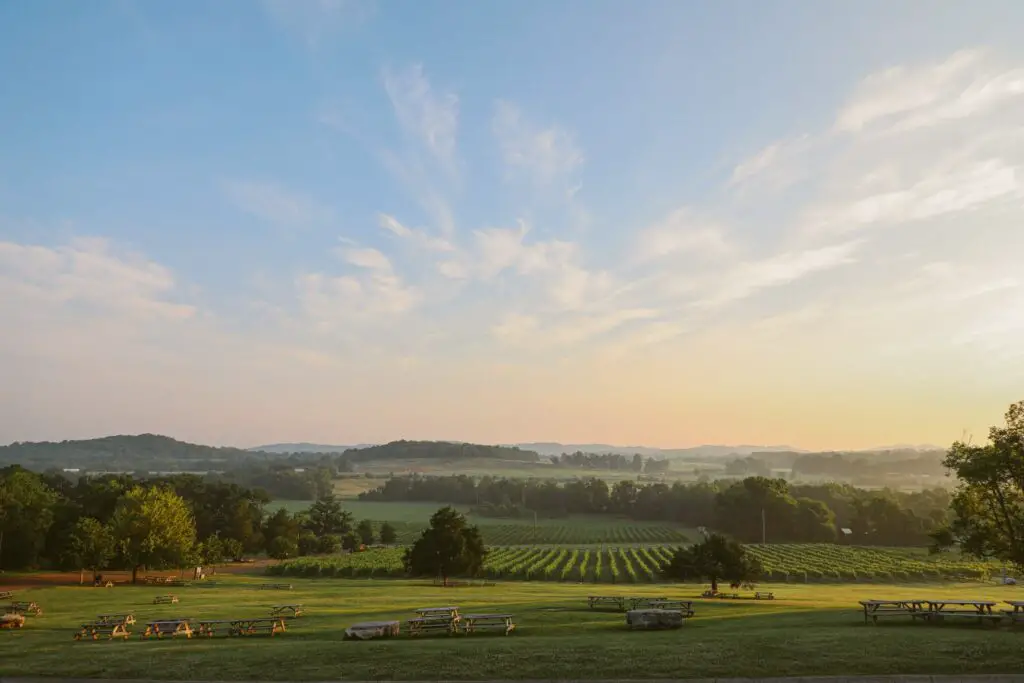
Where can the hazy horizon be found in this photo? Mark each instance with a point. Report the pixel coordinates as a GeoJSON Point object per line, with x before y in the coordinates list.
{"type": "Point", "coordinates": [644, 223]}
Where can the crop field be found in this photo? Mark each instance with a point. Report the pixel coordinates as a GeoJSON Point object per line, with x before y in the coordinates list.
{"type": "Point", "coordinates": [639, 564]}
{"type": "Point", "coordinates": [809, 629]}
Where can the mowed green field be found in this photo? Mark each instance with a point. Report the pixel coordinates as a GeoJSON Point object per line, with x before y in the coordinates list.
{"type": "Point", "coordinates": [807, 630]}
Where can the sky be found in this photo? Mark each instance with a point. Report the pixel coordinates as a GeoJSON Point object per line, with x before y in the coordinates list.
{"type": "Point", "coordinates": [659, 222]}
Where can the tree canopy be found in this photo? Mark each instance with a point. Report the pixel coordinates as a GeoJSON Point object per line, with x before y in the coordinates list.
{"type": "Point", "coordinates": [450, 547]}
{"type": "Point", "coordinates": [988, 504]}
{"type": "Point", "coordinates": [153, 526]}
{"type": "Point", "coordinates": [714, 559]}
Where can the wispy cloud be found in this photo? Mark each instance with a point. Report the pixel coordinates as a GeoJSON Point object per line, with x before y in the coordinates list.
{"type": "Point", "coordinates": [275, 204]}
{"type": "Point", "coordinates": [544, 153]}
{"type": "Point", "coordinates": [317, 21]}
{"type": "Point", "coordinates": [429, 116]}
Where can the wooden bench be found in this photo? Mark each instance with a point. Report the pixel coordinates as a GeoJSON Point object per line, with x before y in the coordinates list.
{"type": "Point", "coordinates": [165, 599]}
{"type": "Point", "coordinates": [171, 627]}
{"type": "Point", "coordinates": [487, 622]}
{"type": "Point", "coordinates": [290, 610]}
{"type": "Point", "coordinates": [764, 596]}
{"type": "Point", "coordinates": [6, 595]}
{"type": "Point", "coordinates": [982, 617]}
{"type": "Point", "coordinates": [275, 587]}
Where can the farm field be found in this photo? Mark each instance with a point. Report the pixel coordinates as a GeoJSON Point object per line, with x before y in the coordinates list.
{"type": "Point", "coordinates": [411, 518]}
{"type": "Point", "coordinates": [807, 630]}
{"type": "Point", "coordinates": [639, 564]}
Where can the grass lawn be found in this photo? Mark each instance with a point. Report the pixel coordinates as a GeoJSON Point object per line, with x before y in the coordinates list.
{"type": "Point", "coordinates": [808, 630]}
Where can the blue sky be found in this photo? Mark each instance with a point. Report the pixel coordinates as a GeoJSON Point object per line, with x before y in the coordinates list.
{"type": "Point", "coordinates": [342, 220]}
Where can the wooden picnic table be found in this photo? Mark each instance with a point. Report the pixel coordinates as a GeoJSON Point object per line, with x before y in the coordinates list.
{"type": "Point", "coordinates": [253, 625]}
{"type": "Point", "coordinates": [638, 602]}
{"type": "Point", "coordinates": [617, 600]}
{"type": "Point", "coordinates": [368, 630]}
{"type": "Point", "coordinates": [6, 595]}
{"type": "Point", "coordinates": [1016, 612]}
{"type": "Point", "coordinates": [487, 622]}
{"type": "Point", "coordinates": [25, 608]}
{"type": "Point", "coordinates": [873, 609]}
{"type": "Point", "coordinates": [434, 619]}
{"type": "Point", "coordinates": [171, 627]}
{"type": "Point", "coordinates": [684, 606]}
{"type": "Point", "coordinates": [437, 611]}
{"type": "Point", "coordinates": [939, 610]}
{"type": "Point", "coordinates": [293, 610]}
{"type": "Point", "coordinates": [165, 599]}
{"type": "Point", "coordinates": [127, 619]}
{"type": "Point", "coordinates": [111, 629]}
{"type": "Point", "coordinates": [276, 586]}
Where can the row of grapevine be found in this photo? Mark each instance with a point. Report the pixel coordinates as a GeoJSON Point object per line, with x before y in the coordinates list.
{"type": "Point", "coordinates": [796, 563]}
{"type": "Point", "coordinates": [579, 534]}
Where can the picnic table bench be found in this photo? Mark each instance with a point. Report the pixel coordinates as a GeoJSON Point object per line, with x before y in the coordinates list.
{"type": "Point", "coordinates": [1016, 612]}
{"type": "Point", "coordinates": [939, 610]}
{"type": "Point", "coordinates": [171, 627]}
{"type": "Point", "coordinates": [6, 595]}
{"type": "Point", "coordinates": [683, 606]}
{"type": "Point", "coordinates": [253, 625]}
{"type": "Point", "coordinates": [596, 600]}
{"type": "Point", "coordinates": [644, 602]}
{"type": "Point", "coordinates": [127, 619]}
{"type": "Point", "coordinates": [102, 627]}
{"type": "Point", "coordinates": [434, 619]}
{"type": "Point", "coordinates": [290, 610]}
{"type": "Point", "coordinates": [275, 586]}
{"type": "Point", "coordinates": [25, 608]}
{"type": "Point", "coordinates": [487, 622]}
{"type": "Point", "coordinates": [764, 596]}
{"type": "Point", "coordinates": [165, 599]}
{"type": "Point", "coordinates": [875, 609]}
{"type": "Point", "coordinates": [368, 630]}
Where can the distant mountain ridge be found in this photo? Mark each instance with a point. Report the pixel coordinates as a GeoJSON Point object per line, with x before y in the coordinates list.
{"type": "Point", "coordinates": [549, 448]}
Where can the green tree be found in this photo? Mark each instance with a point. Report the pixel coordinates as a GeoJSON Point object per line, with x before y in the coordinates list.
{"type": "Point", "coordinates": [388, 535]}
{"type": "Point", "coordinates": [328, 545]}
{"type": "Point", "coordinates": [233, 549]}
{"type": "Point", "coordinates": [26, 513]}
{"type": "Point", "coordinates": [308, 542]}
{"type": "Point", "coordinates": [282, 548]}
{"type": "Point", "coordinates": [350, 541]}
{"type": "Point", "coordinates": [153, 527]}
{"type": "Point", "coordinates": [714, 559]}
{"type": "Point", "coordinates": [90, 545]}
{"type": "Point", "coordinates": [448, 548]}
{"type": "Point", "coordinates": [326, 516]}
{"type": "Point", "coordinates": [365, 531]}
{"type": "Point", "coordinates": [211, 551]}
{"type": "Point", "coordinates": [988, 504]}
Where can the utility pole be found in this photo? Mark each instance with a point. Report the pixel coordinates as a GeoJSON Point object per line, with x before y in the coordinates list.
{"type": "Point", "coordinates": [763, 527]}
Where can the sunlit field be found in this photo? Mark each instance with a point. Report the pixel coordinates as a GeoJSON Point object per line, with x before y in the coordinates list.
{"type": "Point", "coordinates": [807, 630]}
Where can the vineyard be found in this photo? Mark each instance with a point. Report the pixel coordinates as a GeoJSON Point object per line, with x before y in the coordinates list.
{"type": "Point", "coordinates": [561, 534]}
{"type": "Point", "coordinates": [782, 563]}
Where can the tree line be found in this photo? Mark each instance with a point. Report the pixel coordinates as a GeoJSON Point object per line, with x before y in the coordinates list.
{"type": "Point", "coordinates": [791, 513]}
{"type": "Point", "coordinates": [612, 461]}
{"type": "Point", "coordinates": [119, 522]}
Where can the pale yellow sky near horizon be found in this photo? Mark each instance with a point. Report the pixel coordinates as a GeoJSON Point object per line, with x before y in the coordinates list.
{"type": "Point", "coordinates": [887, 307]}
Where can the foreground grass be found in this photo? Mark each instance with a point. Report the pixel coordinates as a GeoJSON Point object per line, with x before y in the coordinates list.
{"type": "Point", "coordinates": [809, 630]}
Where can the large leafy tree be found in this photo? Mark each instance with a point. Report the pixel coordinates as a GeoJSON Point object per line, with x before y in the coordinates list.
{"type": "Point", "coordinates": [388, 535]}
{"type": "Point", "coordinates": [988, 505]}
{"type": "Point", "coordinates": [326, 516]}
{"type": "Point", "coordinates": [448, 548]}
{"type": "Point", "coordinates": [365, 531]}
{"type": "Point", "coordinates": [26, 513]}
{"type": "Point", "coordinates": [90, 545]}
{"type": "Point", "coordinates": [714, 559]}
{"type": "Point", "coordinates": [153, 527]}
